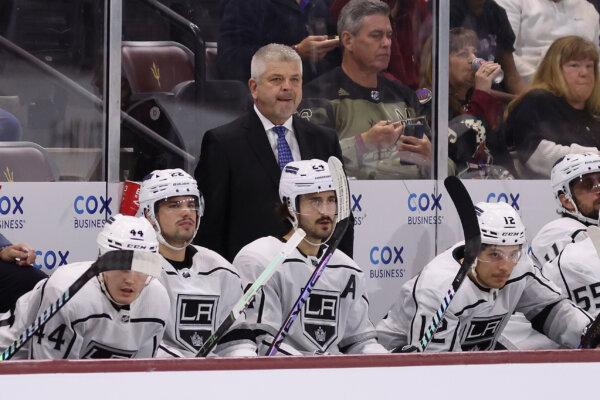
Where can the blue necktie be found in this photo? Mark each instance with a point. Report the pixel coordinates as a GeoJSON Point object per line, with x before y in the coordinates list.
{"type": "Point", "coordinates": [284, 154]}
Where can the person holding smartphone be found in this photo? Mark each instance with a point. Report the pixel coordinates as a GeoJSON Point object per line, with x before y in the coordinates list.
{"type": "Point", "coordinates": [369, 111]}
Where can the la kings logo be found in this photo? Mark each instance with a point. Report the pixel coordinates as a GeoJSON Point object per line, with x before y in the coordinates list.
{"type": "Point", "coordinates": [319, 319]}
{"type": "Point", "coordinates": [195, 319]}
{"type": "Point", "coordinates": [97, 350]}
{"type": "Point", "coordinates": [481, 333]}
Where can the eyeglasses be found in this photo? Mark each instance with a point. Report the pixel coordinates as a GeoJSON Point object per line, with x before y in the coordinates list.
{"type": "Point", "coordinates": [588, 182]}
{"type": "Point", "coordinates": [328, 206]}
{"type": "Point", "coordinates": [497, 256]}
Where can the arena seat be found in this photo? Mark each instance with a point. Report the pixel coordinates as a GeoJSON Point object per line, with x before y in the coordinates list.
{"type": "Point", "coordinates": [25, 162]}
{"type": "Point", "coordinates": [156, 67]}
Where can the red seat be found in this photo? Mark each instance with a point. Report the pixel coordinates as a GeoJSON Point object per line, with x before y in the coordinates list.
{"type": "Point", "coordinates": [156, 67]}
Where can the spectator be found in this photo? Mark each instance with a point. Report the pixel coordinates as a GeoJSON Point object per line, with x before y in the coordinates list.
{"type": "Point", "coordinates": [411, 26]}
{"type": "Point", "coordinates": [16, 274]}
{"type": "Point", "coordinates": [538, 23]}
{"type": "Point", "coordinates": [476, 144]}
{"type": "Point", "coordinates": [558, 114]}
{"type": "Point", "coordinates": [368, 110]}
{"type": "Point", "coordinates": [10, 127]}
{"type": "Point", "coordinates": [247, 25]}
{"type": "Point", "coordinates": [240, 162]}
{"type": "Point", "coordinates": [496, 37]}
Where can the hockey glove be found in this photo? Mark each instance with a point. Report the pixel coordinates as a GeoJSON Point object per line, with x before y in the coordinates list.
{"type": "Point", "coordinates": [591, 335]}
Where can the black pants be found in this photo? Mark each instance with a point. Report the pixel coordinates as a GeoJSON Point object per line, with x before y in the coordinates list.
{"type": "Point", "coordinates": [16, 281]}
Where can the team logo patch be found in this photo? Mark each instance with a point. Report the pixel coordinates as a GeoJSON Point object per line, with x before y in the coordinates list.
{"type": "Point", "coordinates": [481, 334]}
{"type": "Point", "coordinates": [320, 316]}
{"type": "Point", "coordinates": [195, 319]}
{"type": "Point", "coordinates": [98, 350]}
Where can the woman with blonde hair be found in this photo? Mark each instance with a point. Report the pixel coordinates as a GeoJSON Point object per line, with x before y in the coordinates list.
{"type": "Point", "coordinates": [559, 113]}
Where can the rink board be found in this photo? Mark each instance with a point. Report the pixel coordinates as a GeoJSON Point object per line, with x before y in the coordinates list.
{"type": "Point", "coordinates": [399, 225]}
{"type": "Point", "coordinates": [538, 375]}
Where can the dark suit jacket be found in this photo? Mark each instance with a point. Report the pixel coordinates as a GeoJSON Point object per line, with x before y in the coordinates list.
{"type": "Point", "coordinates": [239, 178]}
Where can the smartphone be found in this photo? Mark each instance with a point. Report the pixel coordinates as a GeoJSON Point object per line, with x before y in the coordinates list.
{"type": "Point", "coordinates": [416, 130]}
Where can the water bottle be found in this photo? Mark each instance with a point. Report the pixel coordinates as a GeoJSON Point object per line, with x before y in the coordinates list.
{"type": "Point", "coordinates": [478, 62]}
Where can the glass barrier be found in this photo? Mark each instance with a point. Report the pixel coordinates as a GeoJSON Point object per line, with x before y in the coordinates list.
{"type": "Point", "coordinates": [51, 90]}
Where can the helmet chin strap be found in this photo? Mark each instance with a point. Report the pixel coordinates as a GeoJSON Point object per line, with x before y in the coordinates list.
{"type": "Point", "coordinates": [577, 214]}
{"type": "Point", "coordinates": [106, 292]}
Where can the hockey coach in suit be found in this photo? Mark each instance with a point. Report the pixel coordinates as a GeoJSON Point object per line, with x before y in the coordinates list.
{"type": "Point", "coordinates": [240, 162]}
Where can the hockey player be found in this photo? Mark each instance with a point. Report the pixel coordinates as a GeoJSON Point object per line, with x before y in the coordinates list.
{"type": "Point", "coordinates": [335, 318]}
{"type": "Point", "coordinates": [575, 182]}
{"type": "Point", "coordinates": [501, 282]}
{"type": "Point", "coordinates": [118, 314]}
{"type": "Point", "coordinates": [202, 285]}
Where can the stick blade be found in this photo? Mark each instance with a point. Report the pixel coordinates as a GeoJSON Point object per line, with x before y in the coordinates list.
{"type": "Point", "coordinates": [467, 213]}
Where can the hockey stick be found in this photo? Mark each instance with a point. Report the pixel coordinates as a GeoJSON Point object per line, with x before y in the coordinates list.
{"type": "Point", "coordinates": [145, 262]}
{"type": "Point", "coordinates": [591, 337]}
{"type": "Point", "coordinates": [245, 300]}
{"type": "Point", "coordinates": [468, 219]}
{"type": "Point", "coordinates": [342, 221]}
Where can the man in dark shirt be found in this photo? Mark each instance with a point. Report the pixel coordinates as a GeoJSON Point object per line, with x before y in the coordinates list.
{"type": "Point", "coordinates": [368, 110]}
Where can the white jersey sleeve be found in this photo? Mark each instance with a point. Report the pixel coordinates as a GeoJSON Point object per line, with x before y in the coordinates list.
{"type": "Point", "coordinates": [13, 323]}
{"type": "Point", "coordinates": [553, 237]}
{"type": "Point", "coordinates": [90, 326]}
{"type": "Point", "coordinates": [549, 311]}
{"type": "Point", "coordinates": [577, 272]}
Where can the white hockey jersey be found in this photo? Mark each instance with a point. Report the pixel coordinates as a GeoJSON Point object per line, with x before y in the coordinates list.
{"type": "Point", "coordinates": [554, 236]}
{"type": "Point", "coordinates": [476, 316]}
{"type": "Point", "coordinates": [202, 297]}
{"type": "Point", "coordinates": [89, 325]}
{"type": "Point", "coordinates": [577, 272]}
{"type": "Point", "coordinates": [334, 319]}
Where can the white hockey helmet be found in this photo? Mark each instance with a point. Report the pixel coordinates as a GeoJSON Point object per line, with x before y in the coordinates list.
{"type": "Point", "coordinates": [161, 184]}
{"type": "Point", "coordinates": [499, 224]}
{"type": "Point", "coordinates": [568, 168]}
{"type": "Point", "coordinates": [124, 232]}
{"type": "Point", "coordinates": [303, 177]}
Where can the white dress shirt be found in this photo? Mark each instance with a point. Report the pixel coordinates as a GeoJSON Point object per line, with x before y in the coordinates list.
{"type": "Point", "coordinates": [290, 137]}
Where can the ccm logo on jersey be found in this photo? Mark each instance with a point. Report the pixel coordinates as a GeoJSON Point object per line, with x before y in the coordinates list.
{"type": "Point", "coordinates": [195, 319]}
{"type": "Point", "coordinates": [320, 317]}
{"type": "Point", "coordinates": [481, 333]}
{"type": "Point", "coordinates": [99, 350]}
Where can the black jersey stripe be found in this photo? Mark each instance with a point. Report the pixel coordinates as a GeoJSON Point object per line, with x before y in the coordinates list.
{"type": "Point", "coordinates": [518, 278]}
{"type": "Point", "coordinates": [92, 316]}
{"type": "Point", "coordinates": [478, 302]}
{"type": "Point", "coordinates": [156, 320]}
{"type": "Point", "coordinates": [563, 276]}
{"type": "Point", "coordinates": [171, 272]}
{"type": "Point", "coordinates": [169, 352]}
{"type": "Point", "coordinates": [414, 296]}
{"type": "Point", "coordinates": [218, 269]}
{"type": "Point", "coordinates": [236, 335]}
{"type": "Point", "coordinates": [577, 232]}
{"type": "Point", "coordinates": [454, 336]}
{"type": "Point", "coordinates": [279, 349]}
{"type": "Point", "coordinates": [291, 260]}
{"type": "Point", "coordinates": [343, 266]}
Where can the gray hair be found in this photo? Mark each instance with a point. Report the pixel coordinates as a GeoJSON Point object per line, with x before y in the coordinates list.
{"type": "Point", "coordinates": [272, 52]}
{"type": "Point", "coordinates": [352, 14]}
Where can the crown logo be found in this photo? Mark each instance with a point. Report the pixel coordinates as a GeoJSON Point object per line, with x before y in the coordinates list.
{"type": "Point", "coordinates": [197, 340]}
{"type": "Point", "coordinates": [9, 176]}
{"type": "Point", "coordinates": [320, 335]}
{"type": "Point", "coordinates": [155, 72]}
